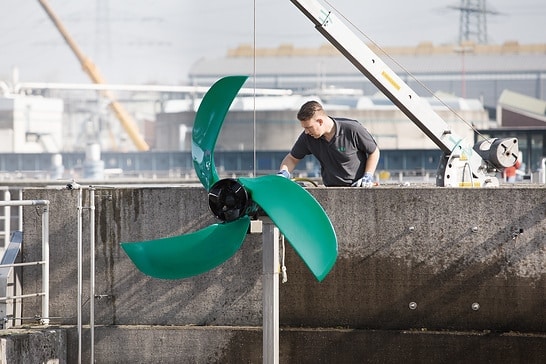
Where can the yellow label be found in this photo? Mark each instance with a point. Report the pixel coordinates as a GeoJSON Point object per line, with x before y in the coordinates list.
{"type": "Point", "coordinates": [469, 184]}
{"type": "Point", "coordinates": [391, 80]}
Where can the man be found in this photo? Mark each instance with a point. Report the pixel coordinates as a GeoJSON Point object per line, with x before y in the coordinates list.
{"type": "Point", "coordinates": [347, 152]}
{"type": "Point", "coordinates": [510, 173]}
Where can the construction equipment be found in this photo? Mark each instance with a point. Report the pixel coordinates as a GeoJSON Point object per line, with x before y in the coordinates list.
{"type": "Point", "coordinates": [462, 164]}
{"type": "Point", "coordinates": [92, 71]}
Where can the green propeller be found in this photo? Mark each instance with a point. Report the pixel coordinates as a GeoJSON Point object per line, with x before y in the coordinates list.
{"type": "Point", "coordinates": [294, 211]}
{"type": "Point", "coordinates": [187, 255]}
{"type": "Point", "coordinates": [208, 122]}
{"type": "Point", "coordinates": [299, 217]}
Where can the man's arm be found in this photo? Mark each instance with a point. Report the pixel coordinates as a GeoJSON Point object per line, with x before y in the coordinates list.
{"type": "Point", "coordinates": [289, 163]}
{"type": "Point", "coordinates": [369, 170]}
{"type": "Point", "coordinates": [372, 161]}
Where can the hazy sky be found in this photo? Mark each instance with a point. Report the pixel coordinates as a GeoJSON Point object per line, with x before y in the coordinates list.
{"type": "Point", "coordinates": [143, 41]}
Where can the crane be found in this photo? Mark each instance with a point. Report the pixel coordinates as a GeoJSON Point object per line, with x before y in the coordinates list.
{"type": "Point", "coordinates": [462, 164]}
{"type": "Point", "coordinates": [92, 71]}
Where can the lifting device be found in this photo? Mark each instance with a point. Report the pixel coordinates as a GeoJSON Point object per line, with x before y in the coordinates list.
{"type": "Point", "coordinates": [462, 164]}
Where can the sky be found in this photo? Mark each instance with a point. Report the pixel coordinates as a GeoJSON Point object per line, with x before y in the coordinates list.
{"type": "Point", "coordinates": [156, 42]}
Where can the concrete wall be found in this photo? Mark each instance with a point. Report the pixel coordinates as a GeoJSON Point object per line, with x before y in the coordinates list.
{"type": "Point", "coordinates": [423, 272]}
{"type": "Point", "coordinates": [23, 346]}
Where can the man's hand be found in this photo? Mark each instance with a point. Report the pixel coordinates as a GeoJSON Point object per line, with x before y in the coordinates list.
{"type": "Point", "coordinates": [283, 173]}
{"type": "Point", "coordinates": [365, 181]}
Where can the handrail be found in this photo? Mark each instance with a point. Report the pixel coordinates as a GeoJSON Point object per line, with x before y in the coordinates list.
{"type": "Point", "coordinates": [7, 220]}
{"type": "Point", "coordinates": [11, 255]}
{"type": "Point", "coordinates": [38, 262]}
{"type": "Point", "coordinates": [22, 296]}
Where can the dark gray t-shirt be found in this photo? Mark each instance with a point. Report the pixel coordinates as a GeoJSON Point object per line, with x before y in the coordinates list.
{"type": "Point", "coordinates": [342, 159]}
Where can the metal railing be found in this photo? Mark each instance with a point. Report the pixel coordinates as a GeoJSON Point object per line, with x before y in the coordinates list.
{"type": "Point", "coordinates": [6, 217]}
{"type": "Point", "coordinates": [8, 263]}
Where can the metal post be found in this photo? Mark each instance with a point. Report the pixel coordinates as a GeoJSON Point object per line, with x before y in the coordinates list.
{"type": "Point", "coordinates": [20, 225]}
{"type": "Point", "coordinates": [7, 219]}
{"type": "Point", "coordinates": [92, 270]}
{"type": "Point", "coordinates": [271, 273]}
{"type": "Point", "coordinates": [79, 299]}
{"type": "Point", "coordinates": [45, 265]}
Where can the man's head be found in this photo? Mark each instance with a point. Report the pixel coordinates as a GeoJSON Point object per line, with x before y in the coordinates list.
{"type": "Point", "coordinates": [307, 110]}
{"type": "Point", "coordinates": [313, 119]}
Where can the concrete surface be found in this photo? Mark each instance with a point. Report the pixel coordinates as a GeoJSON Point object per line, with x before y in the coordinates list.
{"type": "Point", "coordinates": [24, 346]}
{"type": "Point", "coordinates": [423, 273]}
{"type": "Point", "coordinates": [228, 344]}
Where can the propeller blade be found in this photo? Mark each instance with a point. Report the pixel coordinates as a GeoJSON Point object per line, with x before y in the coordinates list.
{"type": "Point", "coordinates": [208, 122]}
{"type": "Point", "coordinates": [299, 217]}
{"type": "Point", "coordinates": [190, 254]}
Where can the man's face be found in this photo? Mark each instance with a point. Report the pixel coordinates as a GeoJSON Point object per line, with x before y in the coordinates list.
{"type": "Point", "coordinates": [313, 127]}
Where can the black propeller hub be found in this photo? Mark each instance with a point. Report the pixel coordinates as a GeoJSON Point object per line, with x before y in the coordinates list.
{"type": "Point", "coordinates": [228, 200]}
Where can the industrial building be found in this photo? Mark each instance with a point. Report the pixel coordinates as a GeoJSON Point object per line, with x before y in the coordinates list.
{"type": "Point", "coordinates": [479, 90]}
{"type": "Point", "coordinates": [470, 70]}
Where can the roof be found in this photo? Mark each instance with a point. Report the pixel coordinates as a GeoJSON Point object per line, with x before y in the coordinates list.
{"type": "Point", "coordinates": [423, 59]}
{"type": "Point", "coordinates": [522, 102]}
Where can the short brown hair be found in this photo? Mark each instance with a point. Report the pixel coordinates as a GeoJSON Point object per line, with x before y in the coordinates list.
{"type": "Point", "coordinates": [308, 109]}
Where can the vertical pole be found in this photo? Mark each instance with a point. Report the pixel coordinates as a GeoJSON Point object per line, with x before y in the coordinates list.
{"type": "Point", "coordinates": [20, 225]}
{"type": "Point", "coordinates": [270, 294]}
{"type": "Point", "coordinates": [7, 219]}
{"type": "Point", "coordinates": [45, 266]}
{"type": "Point", "coordinates": [79, 303]}
{"type": "Point", "coordinates": [92, 271]}
{"type": "Point", "coordinates": [463, 74]}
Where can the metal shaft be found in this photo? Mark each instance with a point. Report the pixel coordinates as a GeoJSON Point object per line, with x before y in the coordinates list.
{"type": "Point", "coordinates": [271, 273]}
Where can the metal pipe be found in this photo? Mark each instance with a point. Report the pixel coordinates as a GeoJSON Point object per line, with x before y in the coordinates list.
{"type": "Point", "coordinates": [11, 298]}
{"type": "Point", "coordinates": [92, 270]}
{"type": "Point", "coordinates": [24, 203]}
{"type": "Point", "coordinates": [23, 264]}
{"type": "Point", "coordinates": [7, 219]}
{"type": "Point", "coordinates": [20, 224]}
{"type": "Point", "coordinates": [91, 208]}
{"type": "Point", "coordinates": [79, 299]}
{"type": "Point", "coordinates": [45, 266]}
{"type": "Point", "coordinates": [270, 294]}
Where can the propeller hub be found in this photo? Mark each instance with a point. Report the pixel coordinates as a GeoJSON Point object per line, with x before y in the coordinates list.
{"type": "Point", "coordinates": [228, 199]}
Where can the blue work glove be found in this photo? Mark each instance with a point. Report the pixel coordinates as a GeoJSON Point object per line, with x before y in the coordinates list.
{"type": "Point", "coordinates": [283, 173]}
{"type": "Point", "coordinates": [365, 181]}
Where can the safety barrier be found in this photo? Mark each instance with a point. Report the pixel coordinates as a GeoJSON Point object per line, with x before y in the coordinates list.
{"type": "Point", "coordinates": [10, 289]}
